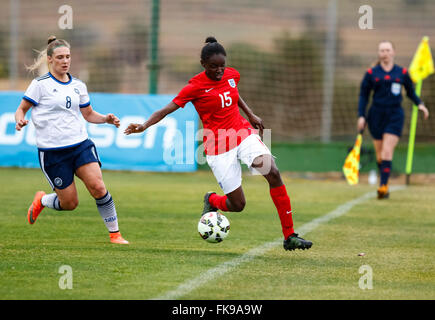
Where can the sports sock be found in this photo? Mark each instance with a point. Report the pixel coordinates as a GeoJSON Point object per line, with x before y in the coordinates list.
{"type": "Point", "coordinates": [379, 166]}
{"type": "Point", "coordinates": [385, 171]}
{"type": "Point", "coordinates": [219, 202]}
{"type": "Point", "coordinates": [106, 207]}
{"type": "Point", "coordinates": [282, 203]}
{"type": "Point", "coordinates": [51, 201]}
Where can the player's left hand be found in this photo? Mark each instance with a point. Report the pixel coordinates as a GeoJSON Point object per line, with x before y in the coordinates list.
{"type": "Point", "coordinates": [423, 108]}
{"type": "Point", "coordinates": [257, 123]}
{"type": "Point", "coordinates": [112, 119]}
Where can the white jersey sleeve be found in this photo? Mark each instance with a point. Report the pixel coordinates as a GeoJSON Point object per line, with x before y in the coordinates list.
{"type": "Point", "coordinates": [84, 96]}
{"type": "Point", "coordinates": [33, 93]}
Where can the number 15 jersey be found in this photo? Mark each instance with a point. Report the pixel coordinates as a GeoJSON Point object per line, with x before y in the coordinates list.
{"type": "Point", "coordinates": [56, 111]}
{"type": "Point", "coordinates": [217, 105]}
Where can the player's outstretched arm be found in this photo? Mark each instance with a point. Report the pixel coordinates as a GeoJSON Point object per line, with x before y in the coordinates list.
{"type": "Point", "coordinates": [92, 116]}
{"type": "Point", "coordinates": [153, 119]}
{"type": "Point", "coordinates": [20, 122]}
{"type": "Point", "coordinates": [256, 121]}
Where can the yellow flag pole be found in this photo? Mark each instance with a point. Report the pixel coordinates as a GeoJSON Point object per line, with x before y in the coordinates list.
{"type": "Point", "coordinates": [412, 132]}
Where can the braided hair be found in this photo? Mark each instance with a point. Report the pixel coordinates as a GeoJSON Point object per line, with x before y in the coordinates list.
{"type": "Point", "coordinates": [211, 48]}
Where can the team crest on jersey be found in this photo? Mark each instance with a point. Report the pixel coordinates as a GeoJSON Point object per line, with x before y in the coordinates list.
{"type": "Point", "coordinates": [76, 91]}
{"type": "Point", "coordinates": [232, 83]}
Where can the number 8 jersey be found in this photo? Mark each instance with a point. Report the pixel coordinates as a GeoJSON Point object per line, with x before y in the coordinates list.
{"type": "Point", "coordinates": [56, 111]}
{"type": "Point", "coordinates": [217, 105]}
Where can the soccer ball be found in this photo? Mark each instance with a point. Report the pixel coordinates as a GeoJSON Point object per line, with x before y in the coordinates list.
{"type": "Point", "coordinates": [213, 227]}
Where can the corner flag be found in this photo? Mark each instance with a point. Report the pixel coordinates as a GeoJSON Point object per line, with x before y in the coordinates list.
{"type": "Point", "coordinates": [421, 67]}
{"type": "Point", "coordinates": [422, 64]}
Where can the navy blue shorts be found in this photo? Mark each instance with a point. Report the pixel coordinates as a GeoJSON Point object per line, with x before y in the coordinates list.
{"type": "Point", "coordinates": [60, 165]}
{"type": "Point", "coordinates": [385, 120]}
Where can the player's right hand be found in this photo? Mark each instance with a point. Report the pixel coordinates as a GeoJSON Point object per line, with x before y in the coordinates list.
{"type": "Point", "coordinates": [134, 128]}
{"type": "Point", "coordinates": [361, 124]}
{"type": "Point", "coordinates": [20, 124]}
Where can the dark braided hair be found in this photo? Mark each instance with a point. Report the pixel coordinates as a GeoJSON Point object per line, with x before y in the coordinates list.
{"type": "Point", "coordinates": [211, 47]}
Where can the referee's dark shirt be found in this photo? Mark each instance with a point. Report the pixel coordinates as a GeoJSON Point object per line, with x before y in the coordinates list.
{"type": "Point", "coordinates": [387, 87]}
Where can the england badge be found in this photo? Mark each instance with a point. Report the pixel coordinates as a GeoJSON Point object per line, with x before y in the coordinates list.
{"type": "Point", "coordinates": [232, 83]}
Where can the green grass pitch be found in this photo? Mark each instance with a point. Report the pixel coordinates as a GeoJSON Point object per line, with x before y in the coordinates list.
{"type": "Point", "coordinates": [158, 213]}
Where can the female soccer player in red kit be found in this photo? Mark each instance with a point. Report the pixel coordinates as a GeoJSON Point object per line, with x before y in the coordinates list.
{"type": "Point", "coordinates": [229, 138]}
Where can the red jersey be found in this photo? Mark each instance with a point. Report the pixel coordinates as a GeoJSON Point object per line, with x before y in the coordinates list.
{"type": "Point", "coordinates": [217, 105]}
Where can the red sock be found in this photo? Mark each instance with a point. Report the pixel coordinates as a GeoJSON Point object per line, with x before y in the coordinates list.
{"type": "Point", "coordinates": [282, 203]}
{"type": "Point", "coordinates": [219, 202]}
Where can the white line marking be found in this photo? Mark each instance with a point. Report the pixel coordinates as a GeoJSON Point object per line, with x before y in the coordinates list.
{"type": "Point", "coordinates": [228, 266]}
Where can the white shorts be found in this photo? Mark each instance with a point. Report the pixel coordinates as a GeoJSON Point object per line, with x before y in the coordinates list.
{"type": "Point", "coordinates": [226, 167]}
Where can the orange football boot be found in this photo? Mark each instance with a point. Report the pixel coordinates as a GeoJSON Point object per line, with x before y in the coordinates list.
{"type": "Point", "coordinates": [383, 192]}
{"type": "Point", "coordinates": [116, 237]}
{"type": "Point", "coordinates": [36, 207]}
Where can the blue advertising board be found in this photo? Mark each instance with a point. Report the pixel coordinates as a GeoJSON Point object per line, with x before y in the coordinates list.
{"type": "Point", "coordinates": [169, 145]}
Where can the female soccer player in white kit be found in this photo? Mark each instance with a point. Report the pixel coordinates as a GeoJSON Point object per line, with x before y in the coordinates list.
{"type": "Point", "coordinates": [58, 101]}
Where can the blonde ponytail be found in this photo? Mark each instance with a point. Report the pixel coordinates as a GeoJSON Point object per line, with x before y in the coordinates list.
{"type": "Point", "coordinates": [38, 62]}
{"type": "Point", "coordinates": [52, 43]}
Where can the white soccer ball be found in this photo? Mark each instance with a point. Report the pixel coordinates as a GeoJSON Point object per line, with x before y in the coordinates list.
{"type": "Point", "coordinates": [213, 227]}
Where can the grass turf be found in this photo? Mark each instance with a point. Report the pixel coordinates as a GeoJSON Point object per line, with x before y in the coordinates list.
{"type": "Point", "coordinates": [158, 214]}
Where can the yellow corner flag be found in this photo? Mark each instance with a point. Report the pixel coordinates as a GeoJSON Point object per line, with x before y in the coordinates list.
{"type": "Point", "coordinates": [422, 64]}
{"type": "Point", "coordinates": [421, 67]}
{"type": "Point", "coordinates": [351, 164]}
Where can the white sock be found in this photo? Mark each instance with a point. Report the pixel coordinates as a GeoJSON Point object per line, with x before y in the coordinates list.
{"type": "Point", "coordinates": [106, 207]}
{"type": "Point", "coordinates": [51, 201]}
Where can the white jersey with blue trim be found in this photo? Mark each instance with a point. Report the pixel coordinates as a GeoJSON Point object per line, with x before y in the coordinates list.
{"type": "Point", "coordinates": [56, 111]}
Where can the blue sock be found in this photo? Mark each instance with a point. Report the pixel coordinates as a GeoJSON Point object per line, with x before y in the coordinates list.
{"type": "Point", "coordinates": [385, 171]}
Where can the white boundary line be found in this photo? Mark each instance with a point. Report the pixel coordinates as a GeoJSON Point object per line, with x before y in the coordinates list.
{"type": "Point", "coordinates": [228, 266]}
